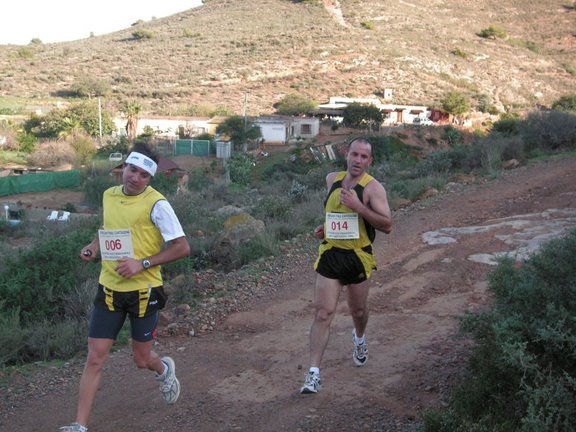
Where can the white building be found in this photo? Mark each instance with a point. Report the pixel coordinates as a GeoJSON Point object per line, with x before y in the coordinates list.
{"type": "Point", "coordinates": [393, 113]}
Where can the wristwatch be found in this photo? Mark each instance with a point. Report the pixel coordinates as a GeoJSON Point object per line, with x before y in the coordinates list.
{"type": "Point", "coordinates": [146, 263]}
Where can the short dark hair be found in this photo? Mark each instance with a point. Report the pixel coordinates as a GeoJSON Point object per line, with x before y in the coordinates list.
{"type": "Point", "coordinates": [362, 140]}
{"type": "Point", "coordinates": [147, 150]}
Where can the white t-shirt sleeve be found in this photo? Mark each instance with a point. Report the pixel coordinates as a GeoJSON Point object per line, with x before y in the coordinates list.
{"type": "Point", "coordinates": [166, 221]}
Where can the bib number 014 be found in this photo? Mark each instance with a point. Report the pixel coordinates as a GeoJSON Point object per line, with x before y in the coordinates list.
{"type": "Point", "coordinates": [342, 226]}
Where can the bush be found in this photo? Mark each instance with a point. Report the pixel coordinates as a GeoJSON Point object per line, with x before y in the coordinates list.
{"type": "Point", "coordinates": [522, 374]}
{"type": "Point", "coordinates": [55, 272]}
{"type": "Point", "coordinates": [165, 184]}
{"type": "Point", "coordinates": [142, 34]}
{"type": "Point", "coordinates": [94, 187]}
{"type": "Point", "coordinates": [553, 130]}
{"type": "Point", "coordinates": [240, 166]}
{"type": "Point", "coordinates": [566, 103]}
{"type": "Point", "coordinates": [54, 153]}
{"type": "Point", "coordinates": [492, 32]}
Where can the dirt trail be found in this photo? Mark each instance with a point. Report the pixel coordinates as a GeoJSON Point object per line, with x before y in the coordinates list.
{"type": "Point", "coordinates": [246, 374]}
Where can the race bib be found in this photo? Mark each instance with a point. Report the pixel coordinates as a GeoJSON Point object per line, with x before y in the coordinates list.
{"type": "Point", "coordinates": [115, 244]}
{"type": "Point", "coordinates": [342, 226]}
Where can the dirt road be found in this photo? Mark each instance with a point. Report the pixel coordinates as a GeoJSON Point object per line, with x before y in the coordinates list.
{"type": "Point", "coordinates": [245, 375]}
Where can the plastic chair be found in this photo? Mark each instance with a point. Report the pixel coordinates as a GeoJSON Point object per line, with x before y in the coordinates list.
{"type": "Point", "coordinates": [64, 216]}
{"type": "Point", "coordinates": [53, 216]}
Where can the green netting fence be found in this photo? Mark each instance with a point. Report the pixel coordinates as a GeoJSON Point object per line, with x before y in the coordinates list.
{"type": "Point", "coordinates": [192, 147]}
{"type": "Point", "coordinates": [39, 182]}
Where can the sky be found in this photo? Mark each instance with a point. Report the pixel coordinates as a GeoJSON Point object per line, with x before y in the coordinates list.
{"type": "Point", "coordinates": [68, 20]}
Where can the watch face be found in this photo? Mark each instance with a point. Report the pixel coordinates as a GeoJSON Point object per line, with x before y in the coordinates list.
{"type": "Point", "coordinates": [146, 264]}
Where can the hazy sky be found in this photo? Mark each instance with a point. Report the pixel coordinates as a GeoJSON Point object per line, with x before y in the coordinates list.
{"type": "Point", "coordinates": [67, 20]}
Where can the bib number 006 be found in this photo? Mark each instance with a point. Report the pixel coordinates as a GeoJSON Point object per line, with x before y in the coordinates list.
{"type": "Point", "coordinates": [115, 244]}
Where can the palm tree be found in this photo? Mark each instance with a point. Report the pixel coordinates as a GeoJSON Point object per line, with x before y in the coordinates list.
{"type": "Point", "coordinates": [132, 109]}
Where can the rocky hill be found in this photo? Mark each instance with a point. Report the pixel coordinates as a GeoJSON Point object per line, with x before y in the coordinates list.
{"type": "Point", "coordinates": [247, 55]}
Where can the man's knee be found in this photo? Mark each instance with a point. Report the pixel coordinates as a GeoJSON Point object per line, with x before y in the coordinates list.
{"type": "Point", "coordinates": [141, 360]}
{"type": "Point", "coordinates": [324, 315]}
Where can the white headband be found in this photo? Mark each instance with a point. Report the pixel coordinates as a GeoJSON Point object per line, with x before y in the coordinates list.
{"type": "Point", "coordinates": [142, 161]}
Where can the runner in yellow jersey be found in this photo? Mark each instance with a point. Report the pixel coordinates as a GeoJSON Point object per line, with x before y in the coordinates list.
{"type": "Point", "coordinates": [137, 223]}
{"type": "Point", "coordinates": [355, 208]}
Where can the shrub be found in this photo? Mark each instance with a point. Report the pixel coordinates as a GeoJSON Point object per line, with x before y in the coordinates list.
{"type": "Point", "coordinates": [452, 136]}
{"type": "Point", "coordinates": [273, 208]}
{"type": "Point", "coordinates": [56, 271]}
{"type": "Point", "coordinates": [458, 52]}
{"type": "Point", "coordinates": [165, 184]}
{"type": "Point", "coordinates": [54, 153]}
{"type": "Point", "coordinates": [240, 166]}
{"type": "Point", "coordinates": [553, 130]}
{"type": "Point", "coordinates": [565, 103]}
{"type": "Point", "coordinates": [142, 34]}
{"type": "Point", "coordinates": [261, 246]}
{"type": "Point", "coordinates": [508, 125]}
{"type": "Point", "coordinates": [492, 32]}
{"type": "Point", "coordinates": [521, 375]}
{"type": "Point", "coordinates": [94, 187]}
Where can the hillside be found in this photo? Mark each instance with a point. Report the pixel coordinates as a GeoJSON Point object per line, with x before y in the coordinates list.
{"type": "Point", "coordinates": [226, 50]}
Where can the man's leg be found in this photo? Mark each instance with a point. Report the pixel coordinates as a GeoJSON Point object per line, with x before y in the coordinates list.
{"type": "Point", "coordinates": [326, 293]}
{"type": "Point", "coordinates": [145, 358]}
{"type": "Point", "coordinates": [358, 306]}
{"type": "Point", "coordinates": [98, 351]}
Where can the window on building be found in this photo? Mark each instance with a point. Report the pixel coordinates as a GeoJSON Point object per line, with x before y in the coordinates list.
{"type": "Point", "coordinates": [306, 129]}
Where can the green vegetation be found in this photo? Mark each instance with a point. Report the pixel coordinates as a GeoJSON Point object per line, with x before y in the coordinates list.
{"type": "Point", "coordinates": [521, 375]}
{"type": "Point", "coordinates": [142, 34]}
{"type": "Point", "coordinates": [295, 105]}
{"type": "Point", "coordinates": [90, 87]}
{"type": "Point", "coordinates": [566, 103]}
{"type": "Point", "coordinates": [240, 130]}
{"type": "Point", "coordinates": [455, 103]}
{"type": "Point", "coordinates": [493, 32]}
{"type": "Point", "coordinates": [368, 25]}
{"type": "Point", "coordinates": [458, 52]}
{"type": "Point", "coordinates": [362, 116]}
{"type": "Point", "coordinates": [276, 190]}
{"type": "Point", "coordinates": [80, 117]}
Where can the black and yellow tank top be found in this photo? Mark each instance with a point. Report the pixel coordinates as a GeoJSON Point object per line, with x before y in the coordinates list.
{"type": "Point", "coordinates": [332, 204]}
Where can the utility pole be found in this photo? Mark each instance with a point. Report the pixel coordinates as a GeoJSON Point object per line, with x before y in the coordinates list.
{"type": "Point", "coordinates": [245, 144]}
{"type": "Point", "coordinates": [100, 118]}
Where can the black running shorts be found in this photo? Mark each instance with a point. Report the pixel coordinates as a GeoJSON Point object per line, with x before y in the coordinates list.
{"type": "Point", "coordinates": [343, 265]}
{"type": "Point", "coordinates": [112, 307]}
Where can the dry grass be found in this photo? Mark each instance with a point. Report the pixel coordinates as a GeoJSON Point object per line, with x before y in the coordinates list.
{"type": "Point", "coordinates": [215, 54]}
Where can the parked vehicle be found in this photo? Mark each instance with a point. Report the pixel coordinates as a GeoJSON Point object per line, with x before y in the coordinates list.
{"type": "Point", "coordinates": [422, 121]}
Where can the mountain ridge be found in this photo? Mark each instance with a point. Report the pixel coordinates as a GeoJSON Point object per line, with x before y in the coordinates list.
{"type": "Point", "coordinates": [227, 52]}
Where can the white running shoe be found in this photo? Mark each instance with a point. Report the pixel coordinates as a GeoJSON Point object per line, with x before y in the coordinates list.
{"type": "Point", "coordinates": [312, 383]}
{"type": "Point", "coordinates": [360, 354]}
{"type": "Point", "coordinates": [169, 386]}
{"type": "Point", "coordinates": [74, 427]}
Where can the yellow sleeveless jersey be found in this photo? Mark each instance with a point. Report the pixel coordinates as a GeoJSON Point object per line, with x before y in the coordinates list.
{"type": "Point", "coordinates": [367, 235]}
{"type": "Point", "coordinates": [123, 212]}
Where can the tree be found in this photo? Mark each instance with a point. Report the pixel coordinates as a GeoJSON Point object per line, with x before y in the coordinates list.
{"type": "Point", "coordinates": [295, 105]}
{"type": "Point", "coordinates": [566, 103]}
{"type": "Point", "coordinates": [57, 123]}
{"type": "Point", "coordinates": [455, 103]}
{"type": "Point", "coordinates": [90, 87]}
{"type": "Point", "coordinates": [240, 130]}
{"type": "Point", "coordinates": [362, 115]}
{"type": "Point", "coordinates": [132, 109]}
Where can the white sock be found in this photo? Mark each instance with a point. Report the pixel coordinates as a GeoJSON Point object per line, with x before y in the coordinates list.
{"type": "Point", "coordinates": [359, 341]}
{"type": "Point", "coordinates": [314, 370]}
{"type": "Point", "coordinates": [163, 374]}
